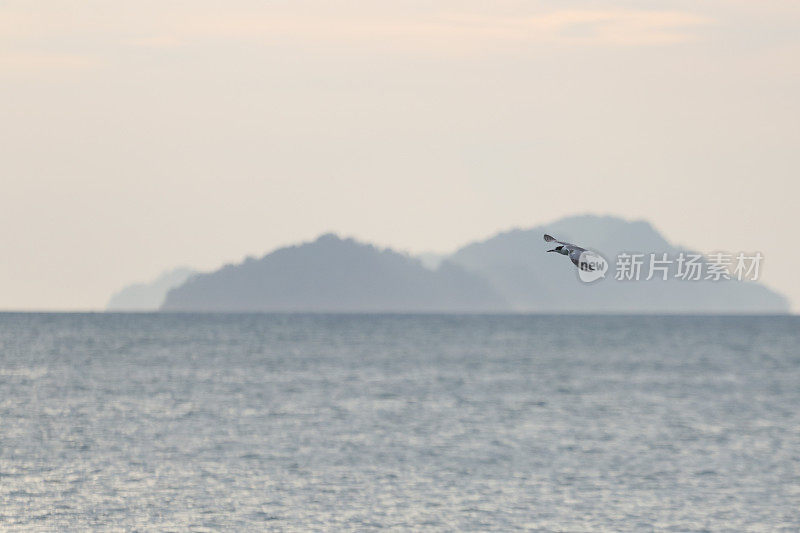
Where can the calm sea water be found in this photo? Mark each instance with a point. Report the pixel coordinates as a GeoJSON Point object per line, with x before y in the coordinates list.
{"type": "Point", "coordinates": [304, 423]}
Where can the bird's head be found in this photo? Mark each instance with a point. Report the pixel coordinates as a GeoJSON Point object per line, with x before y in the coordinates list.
{"type": "Point", "coordinates": [558, 250]}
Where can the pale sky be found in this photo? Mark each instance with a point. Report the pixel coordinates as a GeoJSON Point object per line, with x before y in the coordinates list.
{"type": "Point", "coordinates": [140, 136]}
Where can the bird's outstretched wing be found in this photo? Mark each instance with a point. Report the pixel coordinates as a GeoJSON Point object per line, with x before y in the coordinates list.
{"type": "Point", "coordinates": [550, 238]}
{"type": "Point", "coordinates": [575, 254]}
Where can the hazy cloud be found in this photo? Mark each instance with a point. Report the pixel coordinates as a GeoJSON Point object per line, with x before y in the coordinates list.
{"type": "Point", "coordinates": [15, 63]}
{"type": "Point", "coordinates": [585, 27]}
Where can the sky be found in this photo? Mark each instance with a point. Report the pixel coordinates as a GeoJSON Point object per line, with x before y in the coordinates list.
{"type": "Point", "coordinates": [140, 136]}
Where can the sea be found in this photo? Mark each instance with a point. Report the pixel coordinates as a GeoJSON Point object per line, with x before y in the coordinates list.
{"type": "Point", "coordinates": [314, 422]}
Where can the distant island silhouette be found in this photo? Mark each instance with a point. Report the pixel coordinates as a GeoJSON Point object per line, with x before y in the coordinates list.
{"type": "Point", "coordinates": [515, 264]}
{"type": "Point", "coordinates": [331, 275]}
{"type": "Point", "coordinates": [148, 296]}
{"type": "Point", "coordinates": [509, 272]}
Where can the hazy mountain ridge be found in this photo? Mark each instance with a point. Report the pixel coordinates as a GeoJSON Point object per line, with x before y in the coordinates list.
{"type": "Point", "coordinates": [509, 272]}
{"type": "Point", "coordinates": [333, 274]}
{"type": "Point", "coordinates": [515, 264]}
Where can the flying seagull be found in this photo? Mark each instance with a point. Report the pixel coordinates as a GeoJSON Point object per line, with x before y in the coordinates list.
{"type": "Point", "coordinates": [572, 251]}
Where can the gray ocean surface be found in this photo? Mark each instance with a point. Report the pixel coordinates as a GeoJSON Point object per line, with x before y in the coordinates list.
{"type": "Point", "coordinates": [260, 422]}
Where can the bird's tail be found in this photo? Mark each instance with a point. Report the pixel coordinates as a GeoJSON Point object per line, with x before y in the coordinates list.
{"type": "Point", "coordinates": [548, 238]}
